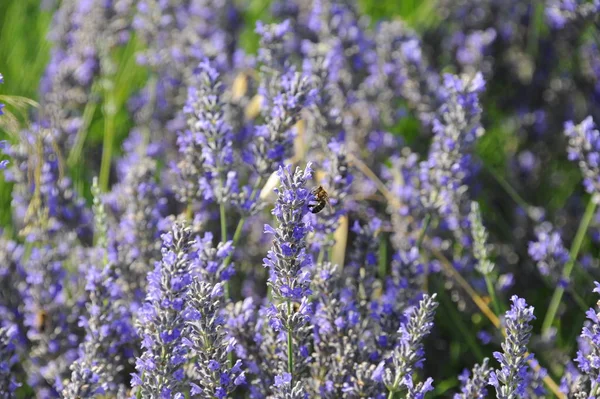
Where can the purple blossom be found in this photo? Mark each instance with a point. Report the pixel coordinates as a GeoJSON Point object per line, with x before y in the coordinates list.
{"type": "Point", "coordinates": [8, 359]}
{"type": "Point", "coordinates": [444, 173]}
{"type": "Point", "coordinates": [473, 384]}
{"type": "Point", "coordinates": [161, 321]}
{"type": "Point", "coordinates": [206, 145]}
{"type": "Point", "coordinates": [287, 259]}
{"type": "Point", "coordinates": [408, 354]}
{"type": "Point", "coordinates": [588, 355]}
{"type": "Point", "coordinates": [509, 379]}
{"type": "Point", "coordinates": [208, 342]}
{"type": "Point", "coordinates": [549, 252]}
{"type": "Point", "coordinates": [584, 147]}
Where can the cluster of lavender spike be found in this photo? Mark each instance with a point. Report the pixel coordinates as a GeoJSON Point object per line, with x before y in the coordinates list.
{"type": "Point", "coordinates": [202, 268]}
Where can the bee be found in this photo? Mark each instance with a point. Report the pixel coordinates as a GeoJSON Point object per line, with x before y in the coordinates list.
{"type": "Point", "coordinates": [41, 320]}
{"type": "Point", "coordinates": [320, 199]}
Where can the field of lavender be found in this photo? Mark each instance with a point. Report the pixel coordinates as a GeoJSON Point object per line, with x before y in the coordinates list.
{"type": "Point", "coordinates": [299, 199]}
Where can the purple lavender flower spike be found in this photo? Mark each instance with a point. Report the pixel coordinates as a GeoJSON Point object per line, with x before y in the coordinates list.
{"type": "Point", "coordinates": [456, 128]}
{"type": "Point", "coordinates": [287, 259]}
{"type": "Point", "coordinates": [509, 379]}
{"type": "Point", "coordinates": [8, 358]}
{"type": "Point", "coordinates": [408, 354]}
{"type": "Point", "coordinates": [207, 143]}
{"type": "Point", "coordinates": [109, 338]}
{"type": "Point", "coordinates": [588, 355]}
{"type": "Point", "coordinates": [274, 140]}
{"type": "Point", "coordinates": [549, 252]}
{"type": "Point", "coordinates": [213, 375]}
{"type": "Point", "coordinates": [208, 262]}
{"type": "Point", "coordinates": [560, 13]}
{"type": "Point", "coordinates": [473, 386]}
{"type": "Point", "coordinates": [161, 323]}
{"type": "Point", "coordinates": [289, 266]}
{"type": "Point", "coordinates": [584, 147]}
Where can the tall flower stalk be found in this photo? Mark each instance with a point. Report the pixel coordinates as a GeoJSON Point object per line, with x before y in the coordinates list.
{"type": "Point", "coordinates": [213, 374]}
{"type": "Point", "coordinates": [408, 354]}
{"type": "Point", "coordinates": [161, 323]}
{"type": "Point", "coordinates": [288, 261]}
{"type": "Point", "coordinates": [509, 379]}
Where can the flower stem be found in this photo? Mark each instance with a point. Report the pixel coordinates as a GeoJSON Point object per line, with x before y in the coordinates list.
{"type": "Point", "coordinates": [575, 247]}
{"type": "Point", "coordinates": [109, 110]}
{"type": "Point", "coordinates": [223, 223]}
{"type": "Point", "coordinates": [223, 214]}
{"type": "Point", "coordinates": [290, 343]}
{"type": "Point", "coordinates": [240, 226]}
{"type": "Point", "coordinates": [394, 387]}
{"type": "Point", "coordinates": [88, 113]}
{"type": "Point", "coordinates": [492, 292]}
{"type": "Point", "coordinates": [426, 223]}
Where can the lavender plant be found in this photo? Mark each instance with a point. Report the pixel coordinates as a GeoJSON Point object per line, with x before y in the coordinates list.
{"type": "Point", "coordinates": [387, 112]}
{"type": "Point", "coordinates": [588, 353]}
{"type": "Point", "coordinates": [161, 325]}
{"type": "Point", "coordinates": [509, 379]}
{"type": "Point", "coordinates": [213, 374]}
{"type": "Point", "coordinates": [584, 140]}
{"type": "Point", "coordinates": [8, 358]}
{"type": "Point", "coordinates": [473, 385]}
{"type": "Point", "coordinates": [408, 354]}
{"type": "Point", "coordinates": [289, 267]}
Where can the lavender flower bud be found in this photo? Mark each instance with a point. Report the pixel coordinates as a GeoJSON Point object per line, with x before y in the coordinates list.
{"type": "Point", "coordinates": [361, 268]}
{"type": "Point", "coordinates": [560, 13]}
{"type": "Point", "coordinates": [274, 141]}
{"type": "Point", "coordinates": [584, 147]}
{"type": "Point", "coordinates": [208, 262]}
{"type": "Point", "coordinates": [549, 252]}
{"type": "Point", "coordinates": [100, 221]}
{"type": "Point", "coordinates": [8, 358]}
{"type": "Point", "coordinates": [109, 338]}
{"type": "Point", "coordinates": [161, 323]}
{"type": "Point", "coordinates": [588, 356]}
{"type": "Point", "coordinates": [480, 245]}
{"type": "Point", "coordinates": [207, 145]}
{"type": "Point", "coordinates": [289, 267]}
{"type": "Point", "coordinates": [408, 354]}
{"type": "Point", "coordinates": [456, 128]}
{"type": "Point", "coordinates": [287, 259]}
{"type": "Point", "coordinates": [213, 375]}
{"type": "Point", "coordinates": [473, 387]}
{"type": "Point", "coordinates": [284, 388]}
{"type": "Point", "coordinates": [509, 380]}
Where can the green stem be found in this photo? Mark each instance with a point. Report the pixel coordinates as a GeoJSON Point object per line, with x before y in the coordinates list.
{"type": "Point", "coordinates": [223, 223]}
{"type": "Point", "coordinates": [138, 394]}
{"type": "Point", "coordinates": [535, 27]}
{"type": "Point", "coordinates": [290, 344]}
{"type": "Point", "coordinates": [382, 258]}
{"type": "Point", "coordinates": [512, 193]}
{"type": "Point", "coordinates": [109, 138]}
{"type": "Point", "coordinates": [88, 113]}
{"type": "Point", "coordinates": [223, 215]}
{"type": "Point", "coordinates": [426, 223]}
{"type": "Point", "coordinates": [394, 387]}
{"type": "Point", "coordinates": [492, 293]}
{"type": "Point", "coordinates": [575, 247]}
{"type": "Point", "coordinates": [321, 256]}
{"type": "Point", "coordinates": [240, 226]}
